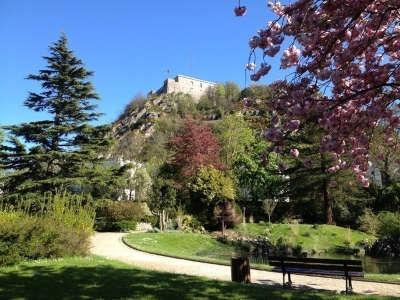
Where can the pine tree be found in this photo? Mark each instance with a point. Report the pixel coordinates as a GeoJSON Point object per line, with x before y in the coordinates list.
{"type": "Point", "coordinates": [64, 151]}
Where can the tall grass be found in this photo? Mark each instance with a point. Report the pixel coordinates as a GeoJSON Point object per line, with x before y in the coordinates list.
{"type": "Point", "coordinates": [75, 210]}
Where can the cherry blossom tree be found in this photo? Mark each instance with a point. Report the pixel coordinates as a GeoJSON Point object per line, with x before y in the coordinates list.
{"type": "Point", "coordinates": [346, 61]}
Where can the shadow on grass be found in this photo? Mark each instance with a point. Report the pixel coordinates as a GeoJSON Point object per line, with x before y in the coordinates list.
{"type": "Point", "coordinates": [113, 282]}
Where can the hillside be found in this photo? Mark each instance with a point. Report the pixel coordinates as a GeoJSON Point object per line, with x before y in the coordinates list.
{"type": "Point", "coordinates": [141, 114]}
{"type": "Point", "coordinates": [136, 127]}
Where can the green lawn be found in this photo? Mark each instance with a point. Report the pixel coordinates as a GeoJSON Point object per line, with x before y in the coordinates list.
{"type": "Point", "coordinates": [203, 247]}
{"type": "Point", "coordinates": [317, 239]}
{"type": "Point", "coordinates": [194, 246]}
{"type": "Point", "coordinates": [98, 278]}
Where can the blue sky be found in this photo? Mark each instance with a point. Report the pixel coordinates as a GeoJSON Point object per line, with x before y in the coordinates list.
{"type": "Point", "coordinates": [129, 45]}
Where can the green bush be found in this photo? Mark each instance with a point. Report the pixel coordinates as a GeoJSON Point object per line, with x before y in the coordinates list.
{"type": "Point", "coordinates": [119, 215]}
{"type": "Point", "coordinates": [126, 225]}
{"type": "Point", "coordinates": [368, 222]}
{"type": "Point", "coordinates": [388, 242]}
{"type": "Point", "coordinates": [389, 226]}
{"type": "Point", "coordinates": [32, 237]}
{"type": "Point", "coordinates": [189, 223]}
{"type": "Point", "coordinates": [55, 225]}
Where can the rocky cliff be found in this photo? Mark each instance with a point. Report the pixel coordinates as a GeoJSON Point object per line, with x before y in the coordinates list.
{"type": "Point", "coordinates": [140, 116]}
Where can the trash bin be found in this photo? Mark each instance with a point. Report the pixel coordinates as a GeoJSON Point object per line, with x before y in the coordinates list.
{"type": "Point", "coordinates": [240, 269]}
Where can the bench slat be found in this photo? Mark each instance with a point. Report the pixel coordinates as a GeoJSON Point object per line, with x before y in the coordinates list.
{"type": "Point", "coordinates": [318, 266]}
{"type": "Point", "coordinates": [349, 262]}
{"type": "Point", "coordinates": [320, 272]}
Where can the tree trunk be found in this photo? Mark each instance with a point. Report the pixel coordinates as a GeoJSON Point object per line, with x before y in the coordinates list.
{"type": "Point", "coordinates": [328, 202]}
{"type": "Point", "coordinates": [269, 218]}
{"type": "Point", "coordinates": [163, 219]}
{"type": "Point", "coordinates": [244, 215]}
{"type": "Point", "coordinates": [223, 226]}
{"type": "Point", "coordinates": [160, 215]}
{"type": "Point", "coordinates": [328, 205]}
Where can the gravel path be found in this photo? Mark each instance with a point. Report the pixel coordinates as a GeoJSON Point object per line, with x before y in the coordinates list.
{"type": "Point", "coordinates": [110, 245]}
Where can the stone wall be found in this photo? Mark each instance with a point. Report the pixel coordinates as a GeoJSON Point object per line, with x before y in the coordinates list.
{"type": "Point", "coordinates": [188, 85]}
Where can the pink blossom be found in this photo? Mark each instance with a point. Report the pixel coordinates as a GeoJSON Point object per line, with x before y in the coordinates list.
{"type": "Point", "coordinates": [293, 125]}
{"type": "Point", "coordinates": [251, 66]}
{"type": "Point", "coordinates": [345, 76]}
{"type": "Point", "coordinates": [334, 169]}
{"type": "Point", "coordinates": [290, 57]}
{"type": "Point", "coordinates": [273, 134]}
{"type": "Point", "coordinates": [254, 42]}
{"type": "Point", "coordinates": [272, 51]}
{"type": "Point", "coordinates": [264, 69]}
{"type": "Point", "coordinates": [255, 77]}
{"type": "Point", "coordinates": [277, 7]}
{"type": "Point", "coordinates": [240, 11]}
{"type": "Point", "coordinates": [363, 180]}
{"type": "Point", "coordinates": [294, 152]}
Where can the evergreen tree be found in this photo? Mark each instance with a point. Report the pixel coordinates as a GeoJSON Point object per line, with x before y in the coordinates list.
{"type": "Point", "coordinates": [64, 151]}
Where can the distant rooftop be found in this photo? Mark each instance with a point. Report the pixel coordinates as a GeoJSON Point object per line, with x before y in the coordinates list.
{"type": "Point", "coordinates": [194, 78]}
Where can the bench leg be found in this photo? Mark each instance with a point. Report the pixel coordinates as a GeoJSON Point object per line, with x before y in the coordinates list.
{"type": "Point", "coordinates": [289, 282]}
{"type": "Point", "coordinates": [349, 286]}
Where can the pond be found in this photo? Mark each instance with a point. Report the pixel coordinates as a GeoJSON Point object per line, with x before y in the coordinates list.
{"type": "Point", "coordinates": [382, 265]}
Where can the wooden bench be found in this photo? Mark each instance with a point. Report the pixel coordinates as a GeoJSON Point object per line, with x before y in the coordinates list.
{"type": "Point", "coordinates": [317, 266]}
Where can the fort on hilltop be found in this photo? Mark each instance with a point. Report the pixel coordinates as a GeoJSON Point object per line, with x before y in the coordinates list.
{"type": "Point", "coordinates": [186, 84]}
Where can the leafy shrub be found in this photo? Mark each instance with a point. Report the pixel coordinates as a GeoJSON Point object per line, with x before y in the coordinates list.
{"type": "Point", "coordinates": [286, 246]}
{"type": "Point", "coordinates": [368, 222]}
{"type": "Point", "coordinates": [33, 237]}
{"type": "Point", "coordinates": [189, 223]}
{"type": "Point", "coordinates": [151, 219]}
{"type": "Point", "coordinates": [119, 215]}
{"type": "Point", "coordinates": [59, 226]}
{"type": "Point", "coordinates": [389, 226]}
{"type": "Point", "coordinates": [388, 243]}
{"type": "Point", "coordinates": [126, 225]}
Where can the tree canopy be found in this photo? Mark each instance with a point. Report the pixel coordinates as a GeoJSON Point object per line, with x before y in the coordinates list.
{"type": "Point", "coordinates": [63, 151]}
{"type": "Point", "coordinates": [348, 51]}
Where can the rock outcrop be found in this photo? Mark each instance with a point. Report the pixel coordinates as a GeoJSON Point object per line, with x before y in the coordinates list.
{"type": "Point", "coordinates": [141, 117]}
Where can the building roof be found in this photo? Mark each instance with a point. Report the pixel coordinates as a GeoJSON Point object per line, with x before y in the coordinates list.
{"type": "Point", "coordinates": [194, 78]}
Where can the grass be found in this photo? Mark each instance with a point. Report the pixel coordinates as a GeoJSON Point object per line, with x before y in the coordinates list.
{"type": "Point", "coordinates": [315, 239]}
{"type": "Point", "coordinates": [390, 278]}
{"type": "Point", "coordinates": [203, 247]}
{"type": "Point", "coordinates": [194, 246]}
{"type": "Point", "coordinates": [99, 278]}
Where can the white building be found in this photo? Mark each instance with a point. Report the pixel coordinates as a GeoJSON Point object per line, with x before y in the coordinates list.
{"type": "Point", "coordinates": [187, 85]}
